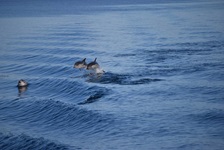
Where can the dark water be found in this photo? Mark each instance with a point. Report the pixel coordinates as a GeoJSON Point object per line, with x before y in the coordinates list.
{"type": "Point", "coordinates": [163, 87]}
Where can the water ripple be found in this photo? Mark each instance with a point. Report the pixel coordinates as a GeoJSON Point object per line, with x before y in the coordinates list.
{"type": "Point", "coordinates": [24, 141]}
{"type": "Point", "coordinates": [121, 79]}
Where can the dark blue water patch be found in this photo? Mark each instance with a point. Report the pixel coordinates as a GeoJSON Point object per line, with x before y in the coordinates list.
{"type": "Point", "coordinates": [197, 68]}
{"type": "Point", "coordinates": [64, 51]}
{"type": "Point", "coordinates": [181, 49]}
{"type": "Point", "coordinates": [172, 53]}
{"type": "Point", "coordinates": [60, 37]}
{"type": "Point", "coordinates": [79, 29]}
{"type": "Point", "coordinates": [55, 8]}
{"type": "Point", "coordinates": [122, 79]}
{"type": "Point", "coordinates": [58, 116]}
{"type": "Point", "coordinates": [211, 122]}
{"type": "Point", "coordinates": [144, 7]}
{"type": "Point", "coordinates": [202, 45]}
{"type": "Point", "coordinates": [108, 78]}
{"type": "Point", "coordinates": [8, 87]}
{"type": "Point", "coordinates": [55, 43]}
{"type": "Point", "coordinates": [144, 81]}
{"type": "Point", "coordinates": [96, 93]}
{"type": "Point", "coordinates": [73, 35]}
{"type": "Point", "coordinates": [214, 117]}
{"type": "Point", "coordinates": [158, 66]}
{"type": "Point", "coordinates": [48, 40]}
{"type": "Point", "coordinates": [25, 142]}
{"type": "Point", "coordinates": [191, 145]}
{"type": "Point", "coordinates": [162, 71]}
{"type": "Point", "coordinates": [125, 55]}
{"type": "Point", "coordinates": [71, 90]}
{"type": "Point", "coordinates": [17, 46]}
{"type": "Point", "coordinates": [36, 58]}
{"type": "Point", "coordinates": [44, 8]}
{"type": "Point", "coordinates": [12, 67]}
{"type": "Point", "coordinates": [38, 70]}
{"type": "Point", "coordinates": [206, 33]}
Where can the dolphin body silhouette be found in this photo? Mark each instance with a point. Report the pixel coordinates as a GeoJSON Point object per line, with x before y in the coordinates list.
{"type": "Point", "coordinates": [80, 64]}
{"type": "Point", "coordinates": [93, 65]}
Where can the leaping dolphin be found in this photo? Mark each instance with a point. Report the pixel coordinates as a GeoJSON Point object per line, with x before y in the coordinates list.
{"type": "Point", "coordinates": [93, 65]}
{"type": "Point", "coordinates": [80, 64]}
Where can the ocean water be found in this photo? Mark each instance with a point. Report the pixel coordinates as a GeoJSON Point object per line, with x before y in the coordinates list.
{"type": "Point", "coordinates": [163, 86]}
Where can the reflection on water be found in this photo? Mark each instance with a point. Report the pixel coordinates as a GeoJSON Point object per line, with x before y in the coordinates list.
{"type": "Point", "coordinates": [22, 90]}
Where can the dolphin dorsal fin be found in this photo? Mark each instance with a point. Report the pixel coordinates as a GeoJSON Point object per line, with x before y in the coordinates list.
{"type": "Point", "coordinates": [95, 60]}
{"type": "Point", "coordinates": [84, 60]}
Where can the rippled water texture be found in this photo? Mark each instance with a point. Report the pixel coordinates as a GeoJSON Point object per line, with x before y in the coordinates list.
{"type": "Point", "coordinates": [162, 87]}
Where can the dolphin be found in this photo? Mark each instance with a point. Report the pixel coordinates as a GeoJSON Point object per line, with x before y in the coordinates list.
{"type": "Point", "coordinates": [93, 65]}
{"type": "Point", "coordinates": [22, 83]}
{"type": "Point", "coordinates": [80, 64]}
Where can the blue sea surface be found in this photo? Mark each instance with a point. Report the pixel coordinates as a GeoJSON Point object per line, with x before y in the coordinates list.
{"type": "Point", "coordinates": [163, 86]}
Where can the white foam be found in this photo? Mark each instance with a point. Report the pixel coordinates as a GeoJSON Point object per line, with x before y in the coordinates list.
{"type": "Point", "coordinates": [99, 71]}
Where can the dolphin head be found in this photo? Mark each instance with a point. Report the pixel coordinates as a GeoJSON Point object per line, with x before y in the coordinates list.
{"type": "Point", "coordinates": [22, 83]}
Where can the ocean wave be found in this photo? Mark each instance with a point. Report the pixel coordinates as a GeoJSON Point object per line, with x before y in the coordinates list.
{"type": "Point", "coordinates": [57, 116]}
{"type": "Point", "coordinates": [70, 89]}
{"type": "Point", "coordinates": [95, 94]}
{"type": "Point", "coordinates": [213, 117]}
{"type": "Point", "coordinates": [121, 79]}
{"type": "Point", "coordinates": [25, 142]}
